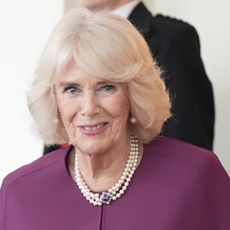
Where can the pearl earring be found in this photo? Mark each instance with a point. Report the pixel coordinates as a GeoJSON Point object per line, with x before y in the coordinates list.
{"type": "Point", "coordinates": [133, 120]}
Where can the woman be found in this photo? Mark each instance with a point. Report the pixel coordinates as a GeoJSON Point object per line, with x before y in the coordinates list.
{"type": "Point", "coordinates": [97, 89]}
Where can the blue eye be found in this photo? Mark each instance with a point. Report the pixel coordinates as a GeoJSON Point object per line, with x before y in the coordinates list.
{"type": "Point", "coordinates": [71, 90]}
{"type": "Point", "coordinates": [107, 88]}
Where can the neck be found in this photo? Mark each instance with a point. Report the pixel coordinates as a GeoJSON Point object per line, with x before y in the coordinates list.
{"type": "Point", "coordinates": [118, 4]}
{"type": "Point", "coordinates": [112, 5]}
{"type": "Point", "coordinates": [102, 170]}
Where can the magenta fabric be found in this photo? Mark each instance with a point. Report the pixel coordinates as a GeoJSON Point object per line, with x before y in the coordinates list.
{"type": "Point", "coordinates": [177, 186]}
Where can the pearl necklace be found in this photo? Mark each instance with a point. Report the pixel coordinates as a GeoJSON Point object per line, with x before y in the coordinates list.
{"type": "Point", "coordinates": [119, 188]}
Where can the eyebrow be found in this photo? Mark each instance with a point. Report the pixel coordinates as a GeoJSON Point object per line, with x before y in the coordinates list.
{"type": "Point", "coordinates": [67, 83]}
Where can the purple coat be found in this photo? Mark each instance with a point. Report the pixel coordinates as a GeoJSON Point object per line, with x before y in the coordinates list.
{"type": "Point", "coordinates": [177, 186]}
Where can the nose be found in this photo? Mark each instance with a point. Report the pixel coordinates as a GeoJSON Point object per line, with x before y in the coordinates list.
{"type": "Point", "coordinates": [90, 105]}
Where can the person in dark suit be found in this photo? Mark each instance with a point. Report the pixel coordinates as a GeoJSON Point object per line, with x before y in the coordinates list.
{"type": "Point", "coordinates": [176, 47]}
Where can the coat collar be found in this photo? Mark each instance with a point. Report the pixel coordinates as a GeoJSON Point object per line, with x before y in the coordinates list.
{"type": "Point", "coordinates": [141, 18]}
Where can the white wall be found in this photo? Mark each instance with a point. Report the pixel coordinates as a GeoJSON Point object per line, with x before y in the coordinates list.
{"type": "Point", "coordinates": [25, 26]}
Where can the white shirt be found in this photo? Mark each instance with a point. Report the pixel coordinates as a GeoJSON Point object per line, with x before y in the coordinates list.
{"type": "Point", "coordinates": [125, 10]}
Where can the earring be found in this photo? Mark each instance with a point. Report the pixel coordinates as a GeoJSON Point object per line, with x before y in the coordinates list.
{"type": "Point", "coordinates": [133, 120]}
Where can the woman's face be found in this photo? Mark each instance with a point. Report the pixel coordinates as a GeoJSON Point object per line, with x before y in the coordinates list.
{"type": "Point", "coordinates": [93, 111]}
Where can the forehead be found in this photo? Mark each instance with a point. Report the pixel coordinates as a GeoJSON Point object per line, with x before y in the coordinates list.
{"type": "Point", "coordinates": [72, 73]}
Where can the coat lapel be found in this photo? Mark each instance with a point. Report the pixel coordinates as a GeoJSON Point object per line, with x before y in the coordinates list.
{"type": "Point", "coordinates": [141, 18]}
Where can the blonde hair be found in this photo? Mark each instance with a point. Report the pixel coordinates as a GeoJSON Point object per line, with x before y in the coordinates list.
{"type": "Point", "coordinates": [105, 46]}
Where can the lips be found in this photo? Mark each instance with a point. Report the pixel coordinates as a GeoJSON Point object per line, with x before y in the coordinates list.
{"type": "Point", "coordinates": [93, 129]}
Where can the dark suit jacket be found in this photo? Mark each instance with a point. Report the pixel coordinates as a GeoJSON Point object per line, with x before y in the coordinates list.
{"type": "Point", "coordinates": [176, 47]}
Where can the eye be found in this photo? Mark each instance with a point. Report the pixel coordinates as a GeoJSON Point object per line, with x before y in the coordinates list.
{"type": "Point", "coordinates": [108, 88]}
{"type": "Point", "coordinates": [71, 90]}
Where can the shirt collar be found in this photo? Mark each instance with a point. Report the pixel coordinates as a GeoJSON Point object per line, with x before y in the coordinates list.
{"type": "Point", "coordinates": [125, 10]}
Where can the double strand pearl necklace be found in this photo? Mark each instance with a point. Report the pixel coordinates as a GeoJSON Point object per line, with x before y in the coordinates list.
{"type": "Point", "coordinates": [119, 188]}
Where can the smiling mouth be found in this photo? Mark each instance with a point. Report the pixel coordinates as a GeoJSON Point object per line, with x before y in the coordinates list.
{"type": "Point", "coordinates": [94, 127]}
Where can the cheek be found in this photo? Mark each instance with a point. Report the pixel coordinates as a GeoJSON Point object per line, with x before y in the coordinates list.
{"type": "Point", "coordinates": [121, 108]}
{"type": "Point", "coordinates": [67, 111]}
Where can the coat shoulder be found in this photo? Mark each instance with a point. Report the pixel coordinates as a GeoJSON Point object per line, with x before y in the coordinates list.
{"type": "Point", "coordinates": [163, 21]}
{"type": "Point", "coordinates": [181, 152]}
{"type": "Point", "coordinates": [36, 166]}
{"type": "Point", "coordinates": [167, 19]}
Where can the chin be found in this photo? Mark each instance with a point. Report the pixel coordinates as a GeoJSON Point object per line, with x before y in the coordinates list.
{"type": "Point", "coordinates": [90, 144]}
